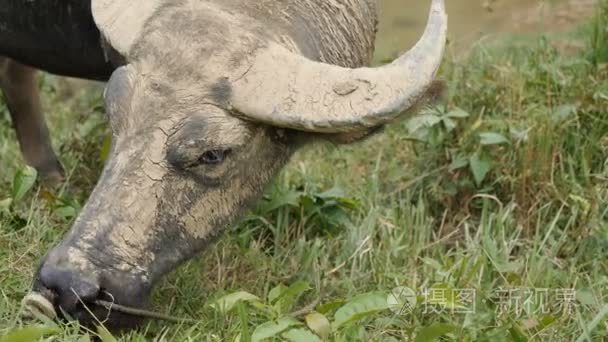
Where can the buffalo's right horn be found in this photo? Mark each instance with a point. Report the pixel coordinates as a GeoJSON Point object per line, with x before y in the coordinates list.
{"type": "Point", "coordinates": [287, 90]}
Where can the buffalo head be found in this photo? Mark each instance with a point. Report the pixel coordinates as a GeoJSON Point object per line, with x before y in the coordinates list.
{"type": "Point", "coordinates": [208, 108]}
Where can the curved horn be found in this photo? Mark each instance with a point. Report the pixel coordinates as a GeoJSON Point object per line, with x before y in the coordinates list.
{"type": "Point", "coordinates": [122, 22]}
{"type": "Point", "coordinates": [287, 90]}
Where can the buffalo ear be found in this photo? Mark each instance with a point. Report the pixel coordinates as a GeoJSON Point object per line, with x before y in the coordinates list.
{"type": "Point", "coordinates": [118, 96]}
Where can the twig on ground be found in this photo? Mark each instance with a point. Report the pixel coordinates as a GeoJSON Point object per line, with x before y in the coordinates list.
{"type": "Point", "coordinates": [305, 310]}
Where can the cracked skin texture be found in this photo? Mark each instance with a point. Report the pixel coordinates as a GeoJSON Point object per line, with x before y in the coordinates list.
{"type": "Point", "coordinates": [177, 75]}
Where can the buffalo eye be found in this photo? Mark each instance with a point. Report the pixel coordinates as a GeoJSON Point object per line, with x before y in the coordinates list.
{"type": "Point", "coordinates": [213, 157]}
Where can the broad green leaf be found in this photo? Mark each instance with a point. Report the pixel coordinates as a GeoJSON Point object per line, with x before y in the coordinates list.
{"type": "Point", "coordinates": [449, 124]}
{"type": "Point", "coordinates": [294, 290]}
{"type": "Point", "coordinates": [360, 307]}
{"type": "Point", "coordinates": [273, 328]}
{"type": "Point", "coordinates": [335, 217]}
{"type": "Point", "coordinates": [23, 182]}
{"type": "Point", "coordinates": [300, 335]}
{"type": "Point", "coordinates": [459, 163]}
{"type": "Point", "coordinates": [319, 324]}
{"type": "Point", "coordinates": [419, 122]}
{"type": "Point", "coordinates": [105, 335]}
{"type": "Point", "coordinates": [349, 203]}
{"type": "Point", "coordinates": [286, 299]}
{"type": "Point", "coordinates": [458, 113]}
{"type": "Point", "coordinates": [276, 292]}
{"type": "Point", "coordinates": [334, 192]}
{"type": "Point", "coordinates": [84, 338]}
{"type": "Point", "coordinates": [280, 199]}
{"type": "Point", "coordinates": [479, 167]}
{"type": "Point", "coordinates": [434, 331]}
{"type": "Point", "coordinates": [282, 298]}
{"type": "Point", "coordinates": [309, 202]}
{"type": "Point", "coordinates": [330, 306]}
{"type": "Point", "coordinates": [339, 196]}
{"type": "Point", "coordinates": [547, 320]}
{"type": "Point", "coordinates": [66, 212]}
{"type": "Point", "coordinates": [227, 302]}
{"type": "Point", "coordinates": [491, 138]}
{"type": "Point", "coordinates": [29, 334]}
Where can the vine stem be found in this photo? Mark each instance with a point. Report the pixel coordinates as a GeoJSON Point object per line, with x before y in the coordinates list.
{"type": "Point", "coordinates": [143, 313]}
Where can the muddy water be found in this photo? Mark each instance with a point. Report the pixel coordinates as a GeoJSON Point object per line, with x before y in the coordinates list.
{"type": "Point", "coordinates": [402, 21]}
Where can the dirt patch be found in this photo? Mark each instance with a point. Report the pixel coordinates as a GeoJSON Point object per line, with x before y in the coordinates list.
{"type": "Point", "coordinates": [552, 17]}
{"type": "Point", "coordinates": [402, 21]}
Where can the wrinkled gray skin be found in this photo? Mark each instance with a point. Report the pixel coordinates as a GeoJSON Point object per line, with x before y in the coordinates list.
{"type": "Point", "coordinates": [182, 167]}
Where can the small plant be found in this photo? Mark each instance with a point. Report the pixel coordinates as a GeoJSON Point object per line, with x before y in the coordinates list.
{"type": "Point", "coordinates": [286, 212]}
{"type": "Point", "coordinates": [461, 147]}
{"type": "Point", "coordinates": [63, 206]}
{"type": "Point", "coordinates": [23, 183]}
{"type": "Point", "coordinates": [439, 130]}
{"type": "Point", "coordinates": [334, 320]}
{"type": "Point", "coordinates": [30, 334]}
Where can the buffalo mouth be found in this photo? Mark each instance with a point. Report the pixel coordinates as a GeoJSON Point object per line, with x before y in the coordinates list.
{"type": "Point", "coordinates": [104, 310]}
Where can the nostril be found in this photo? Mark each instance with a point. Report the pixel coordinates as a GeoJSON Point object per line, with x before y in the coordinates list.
{"type": "Point", "coordinates": [70, 288]}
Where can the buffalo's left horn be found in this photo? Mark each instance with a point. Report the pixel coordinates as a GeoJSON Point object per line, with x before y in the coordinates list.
{"type": "Point", "coordinates": [287, 90]}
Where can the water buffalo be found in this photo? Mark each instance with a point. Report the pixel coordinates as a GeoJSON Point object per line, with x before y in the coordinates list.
{"type": "Point", "coordinates": [207, 101]}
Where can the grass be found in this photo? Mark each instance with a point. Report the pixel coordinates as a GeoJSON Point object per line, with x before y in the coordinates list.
{"type": "Point", "coordinates": [502, 193]}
